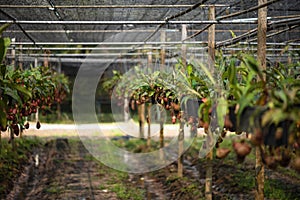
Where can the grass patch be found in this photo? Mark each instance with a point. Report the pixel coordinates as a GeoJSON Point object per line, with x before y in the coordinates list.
{"type": "Point", "coordinates": [53, 189]}
{"type": "Point", "coordinates": [119, 184]}
{"type": "Point", "coordinates": [274, 190]}
{"type": "Point", "coordinates": [125, 192]}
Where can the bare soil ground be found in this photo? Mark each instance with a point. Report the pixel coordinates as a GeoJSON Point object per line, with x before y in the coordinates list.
{"type": "Point", "coordinates": [65, 170]}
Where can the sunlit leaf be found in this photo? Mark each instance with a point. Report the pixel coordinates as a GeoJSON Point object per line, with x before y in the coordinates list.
{"type": "Point", "coordinates": [221, 111]}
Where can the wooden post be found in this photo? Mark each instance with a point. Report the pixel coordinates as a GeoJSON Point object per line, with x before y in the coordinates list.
{"type": "Point", "coordinates": [182, 122]}
{"type": "Point", "coordinates": [261, 56]}
{"type": "Point", "coordinates": [211, 61]}
{"type": "Point", "coordinates": [46, 60]}
{"type": "Point", "coordinates": [163, 49]}
{"type": "Point", "coordinates": [126, 109]}
{"type": "Point", "coordinates": [149, 106]}
{"type": "Point", "coordinates": [183, 47]}
{"type": "Point", "coordinates": [162, 65]}
{"type": "Point", "coordinates": [180, 145]}
{"type": "Point", "coordinates": [13, 53]}
{"type": "Point", "coordinates": [21, 58]}
{"type": "Point", "coordinates": [149, 126]}
{"type": "Point", "coordinates": [35, 62]}
{"type": "Point", "coordinates": [37, 110]}
{"type": "Point", "coordinates": [141, 111]}
{"type": "Point", "coordinates": [58, 109]}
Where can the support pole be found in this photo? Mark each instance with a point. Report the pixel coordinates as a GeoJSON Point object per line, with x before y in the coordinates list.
{"type": "Point", "coordinates": [46, 59]}
{"type": "Point", "coordinates": [21, 57]}
{"type": "Point", "coordinates": [182, 122]}
{"type": "Point", "coordinates": [180, 145]}
{"type": "Point", "coordinates": [149, 106]}
{"type": "Point", "coordinates": [163, 49]}
{"type": "Point", "coordinates": [211, 61]}
{"type": "Point", "coordinates": [141, 111]}
{"type": "Point", "coordinates": [261, 56]}
{"type": "Point", "coordinates": [162, 66]}
{"type": "Point", "coordinates": [58, 110]}
{"type": "Point", "coordinates": [37, 110]}
{"type": "Point", "coordinates": [149, 126]}
{"type": "Point", "coordinates": [13, 53]}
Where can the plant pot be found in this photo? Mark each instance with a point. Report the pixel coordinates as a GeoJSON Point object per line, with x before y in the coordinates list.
{"type": "Point", "coordinates": [277, 135]}
{"type": "Point", "coordinates": [249, 114]}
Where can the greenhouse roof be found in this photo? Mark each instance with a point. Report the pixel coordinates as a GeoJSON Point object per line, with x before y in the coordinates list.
{"type": "Point", "coordinates": [122, 25]}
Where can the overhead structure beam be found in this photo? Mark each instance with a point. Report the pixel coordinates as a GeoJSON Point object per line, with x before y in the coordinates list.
{"type": "Point", "coordinates": [263, 5]}
{"type": "Point", "coordinates": [113, 43]}
{"type": "Point", "coordinates": [107, 31]}
{"type": "Point", "coordinates": [294, 22]}
{"type": "Point", "coordinates": [110, 6]}
{"type": "Point", "coordinates": [233, 15]}
{"type": "Point", "coordinates": [137, 48]}
{"type": "Point", "coordinates": [49, 22]}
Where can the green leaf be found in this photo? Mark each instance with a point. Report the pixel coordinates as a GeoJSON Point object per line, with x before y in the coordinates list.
{"type": "Point", "coordinates": [232, 72]}
{"type": "Point", "coordinates": [3, 119]}
{"type": "Point", "coordinates": [4, 43]}
{"type": "Point", "coordinates": [273, 116]}
{"type": "Point", "coordinates": [4, 27]}
{"type": "Point", "coordinates": [233, 35]}
{"type": "Point", "coordinates": [251, 62]}
{"type": "Point", "coordinates": [13, 94]}
{"type": "Point", "coordinates": [2, 71]}
{"type": "Point", "coordinates": [23, 90]}
{"type": "Point", "coordinates": [221, 111]}
{"type": "Point", "coordinates": [206, 72]}
{"type": "Point", "coordinates": [189, 69]}
{"type": "Point", "coordinates": [283, 97]}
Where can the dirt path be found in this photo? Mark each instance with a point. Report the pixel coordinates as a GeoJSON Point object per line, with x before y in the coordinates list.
{"type": "Point", "coordinates": [64, 171]}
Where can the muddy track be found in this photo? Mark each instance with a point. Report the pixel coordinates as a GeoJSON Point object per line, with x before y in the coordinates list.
{"type": "Point", "coordinates": [62, 172]}
{"type": "Point", "coordinates": [65, 170]}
